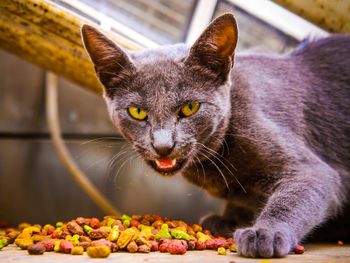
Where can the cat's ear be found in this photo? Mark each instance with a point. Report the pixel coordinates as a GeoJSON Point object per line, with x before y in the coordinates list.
{"type": "Point", "coordinates": [213, 53]}
{"type": "Point", "coordinates": [112, 64]}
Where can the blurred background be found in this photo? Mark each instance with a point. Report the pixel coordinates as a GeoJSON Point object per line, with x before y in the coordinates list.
{"type": "Point", "coordinates": [35, 187]}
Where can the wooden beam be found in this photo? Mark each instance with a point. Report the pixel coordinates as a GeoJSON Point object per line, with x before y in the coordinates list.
{"type": "Point", "coordinates": [333, 16]}
{"type": "Point", "coordinates": [48, 35]}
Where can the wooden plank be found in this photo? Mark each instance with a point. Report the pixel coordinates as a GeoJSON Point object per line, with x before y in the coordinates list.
{"type": "Point", "coordinates": [49, 36]}
{"type": "Point", "coordinates": [316, 253]}
{"type": "Point", "coordinates": [334, 16]}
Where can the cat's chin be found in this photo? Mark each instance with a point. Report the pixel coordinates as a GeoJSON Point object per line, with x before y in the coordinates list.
{"type": "Point", "coordinates": [169, 171]}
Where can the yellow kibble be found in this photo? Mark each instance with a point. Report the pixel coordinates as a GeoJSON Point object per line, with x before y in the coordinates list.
{"type": "Point", "coordinates": [233, 248]}
{"type": "Point", "coordinates": [23, 243]}
{"type": "Point", "coordinates": [222, 251]}
{"type": "Point", "coordinates": [78, 250]}
{"type": "Point", "coordinates": [56, 246]}
{"type": "Point", "coordinates": [126, 236]}
{"type": "Point", "coordinates": [202, 237]}
{"type": "Point", "coordinates": [98, 251]}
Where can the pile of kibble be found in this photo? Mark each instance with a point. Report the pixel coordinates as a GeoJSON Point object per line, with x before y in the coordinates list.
{"type": "Point", "coordinates": [141, 234]}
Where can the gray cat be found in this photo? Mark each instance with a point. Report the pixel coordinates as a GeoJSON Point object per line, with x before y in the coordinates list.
{"type": "Point", "coordinates": [268, 133]}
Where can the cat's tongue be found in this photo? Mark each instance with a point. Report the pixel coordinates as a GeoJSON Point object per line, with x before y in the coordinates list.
{"type": "Point", "coordinates": [165, 163]}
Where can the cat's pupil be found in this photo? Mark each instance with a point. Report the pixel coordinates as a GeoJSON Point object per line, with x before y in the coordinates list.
{"type": "Point", "coordinates": [190, 106]}
{"type": "Point", "coordinates": [138, 110]}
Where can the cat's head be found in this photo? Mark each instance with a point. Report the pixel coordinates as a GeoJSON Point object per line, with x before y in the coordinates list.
{"type": "Point", "coordinates": [172, 103]}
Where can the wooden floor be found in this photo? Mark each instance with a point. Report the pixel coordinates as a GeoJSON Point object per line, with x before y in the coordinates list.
{"type": "Point", "coordinates": [319, 253]}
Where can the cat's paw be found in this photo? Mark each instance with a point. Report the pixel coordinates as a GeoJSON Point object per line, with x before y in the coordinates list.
{"type": "Point", "coordinates": [263, 242]}
{"type": "Point", "coordinates": [218, 225]}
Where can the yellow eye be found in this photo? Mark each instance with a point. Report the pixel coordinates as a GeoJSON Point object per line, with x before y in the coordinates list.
{"type": "Point", "coordinates": [137, 113]}
{"type": "Point", "coordinates": [190, 108]}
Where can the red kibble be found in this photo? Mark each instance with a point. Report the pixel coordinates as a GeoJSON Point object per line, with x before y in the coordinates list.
{"type": "Point", "coordinates": [154, 245]}
{"type": "Point", "coordinates": [200, 245]}
{"type": "Point", "coordinates": [299, 249]}
{"type": "Point", "coordinates": [144, 249]}
{"type": "Point", "coordinates": [215, 243]}
{"type": "Point", "coordinates": [56, 234]}
{"type": "Point", "coordinates": [132, 247]}
{"type": "Point", "coordinates": [95, 222]}
{"type": "Point", "coordinates": [191, 245]}
{"type": "Point", "coordinates": [177, 247]}
{"type": "Point", "coordinates": [49, 230]}
{"type": "Point", "coordinates": [98, 234]}
{"type": "Point", "coordinates": [85, 244]}
{"type": "Point", "coordinates": [136, 217]}
{"type": "Point", "coordinates": [134, 223]}
{"type": "Point", "coordinates": [340, 243]}
{"type": "Point", "coordinates": [66, 246]}
{"type": "Point", "coordinates": [48, 244]}
{"type": "Point", "coordinates": [150, 218]}
{"type": "Point", "coordinates": [36, 249]}
{"type": "Point", "coordinates": [145, 222]}
{"type": "Point", "coordinates": [75, 228]}
{"type": "Point", "coordinates": [163, 247]}
{"type": "Point", "coordinates": [81, 221]}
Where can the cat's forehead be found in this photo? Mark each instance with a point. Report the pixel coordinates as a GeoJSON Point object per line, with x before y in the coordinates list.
{"type": "Point", "coordinates": [161, 79]}
{"type": "Point", "coordinates": [150, 56]}
{"type": "Point", "coordinates": [160, 70]}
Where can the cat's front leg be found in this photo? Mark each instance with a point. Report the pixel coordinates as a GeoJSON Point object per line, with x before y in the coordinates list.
{"type": "Point", "coordinates": [303, 198]}
{"type": "Point", "coordinates": [233, 216]}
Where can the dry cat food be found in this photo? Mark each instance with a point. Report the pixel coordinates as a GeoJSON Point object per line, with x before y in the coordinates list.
{"type": "Point", "coordinates": [99, 238]}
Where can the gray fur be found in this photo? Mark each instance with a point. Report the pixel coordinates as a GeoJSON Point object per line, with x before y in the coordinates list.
{"type": "Point", "coordinates": [273, 135]}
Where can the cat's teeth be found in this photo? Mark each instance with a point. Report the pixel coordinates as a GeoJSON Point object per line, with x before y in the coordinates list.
{"type": "Point", "coordinates": [166, 163]}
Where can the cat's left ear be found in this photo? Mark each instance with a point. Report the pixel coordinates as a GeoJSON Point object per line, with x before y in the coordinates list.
{"type": "Point", "coordinates": [112, 64]}
{"type": "Point", "coordinates": [213, 53]}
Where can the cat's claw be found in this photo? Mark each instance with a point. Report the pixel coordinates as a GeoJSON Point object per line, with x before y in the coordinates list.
{"type": "Point", "coordinates": [263, 242]}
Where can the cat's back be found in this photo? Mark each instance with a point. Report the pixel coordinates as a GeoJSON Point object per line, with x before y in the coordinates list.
{"type": "Point", "coordinates": [306, 91]}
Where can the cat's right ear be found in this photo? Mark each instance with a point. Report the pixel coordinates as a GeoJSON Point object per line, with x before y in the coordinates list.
{"type": "Point", "coordinates": [212, 55]}
{"type": "Point", "coordinates": [112, 64]}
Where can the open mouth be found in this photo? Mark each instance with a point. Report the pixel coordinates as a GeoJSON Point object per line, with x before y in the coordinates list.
{"type": "Point", "coordinates": [166, 166]}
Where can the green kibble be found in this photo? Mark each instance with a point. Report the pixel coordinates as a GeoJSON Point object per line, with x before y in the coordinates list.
{"type": "Point", "coordinates": [3, 242]}
{"type": "Point", "coordinates": [59, 224]}
{"type": "Point", "coordinates": [87, 229]}
{"type": "Point", "coordinates": [126, 217]}
{"type": "Point", "coordinates": [180, 234]}
{"type": "Point", "coordinates": [110, 221]}
{"type": "Point", "coordinates": [126, 223]}
{"type": "Point", "coordinates": [163, 233]}
{"type": "Point", "coordinates": [75, 237]}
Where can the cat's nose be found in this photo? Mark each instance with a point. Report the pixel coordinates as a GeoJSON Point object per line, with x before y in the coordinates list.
{"type": "Point", "coordinates": [163, 149]}
{"type": "Point", "coordinates": [163, 142]}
